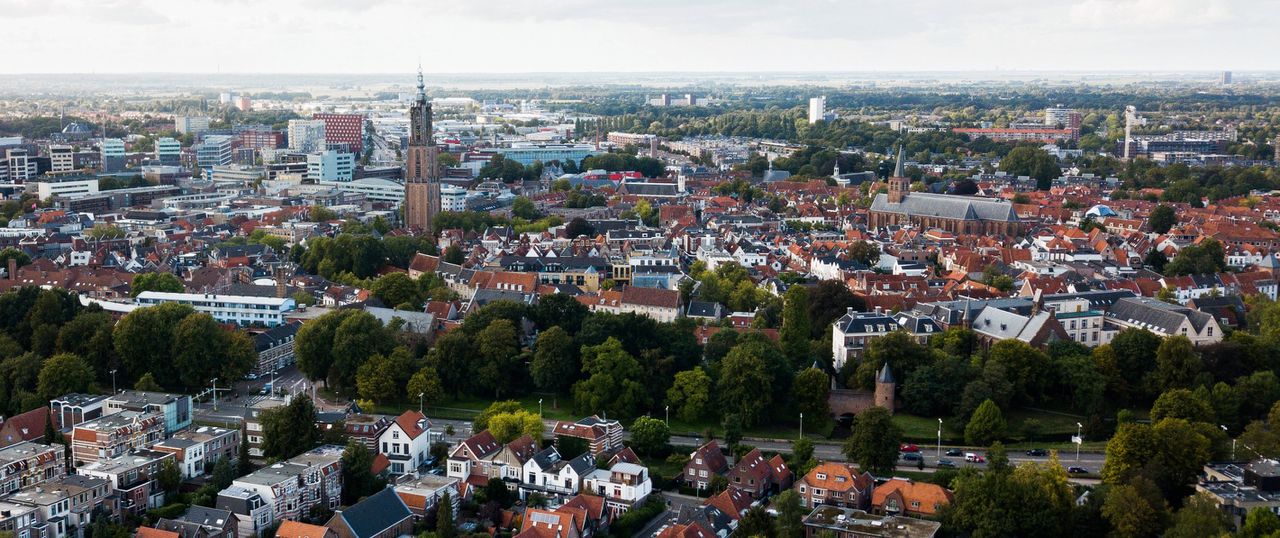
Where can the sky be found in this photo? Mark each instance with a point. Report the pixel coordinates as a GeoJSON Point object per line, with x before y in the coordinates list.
{"type": "Point", "coordinates": [519, 36]}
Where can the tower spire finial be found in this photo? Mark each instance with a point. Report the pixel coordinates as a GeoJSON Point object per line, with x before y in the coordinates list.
{"type": "Point", "coordinates": [898, 170]}
{"type": "Point", "coordinates": [422, 88]}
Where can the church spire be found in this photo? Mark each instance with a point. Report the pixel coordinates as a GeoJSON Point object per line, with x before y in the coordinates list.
{"type": "Point", "coordinates": [422, 88]}
{"type": "Point", "coordinates": [897, 166]}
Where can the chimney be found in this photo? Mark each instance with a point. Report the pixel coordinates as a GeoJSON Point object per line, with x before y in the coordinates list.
{"type": "Point", "coordinates": [281, 288]}
{"type": "Point", "coordinates": [13, 268]}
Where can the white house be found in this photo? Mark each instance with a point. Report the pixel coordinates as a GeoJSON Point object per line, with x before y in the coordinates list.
{"type": "Point", "coordinates": [622, 486]}
{"type": "Point", "coordinates": [546, 472]}
{"type": "Point", "coordinates": [407, 442]}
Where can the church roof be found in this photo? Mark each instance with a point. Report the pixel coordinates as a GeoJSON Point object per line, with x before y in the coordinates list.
{"type": "Point", "coordinates": [922, 204]}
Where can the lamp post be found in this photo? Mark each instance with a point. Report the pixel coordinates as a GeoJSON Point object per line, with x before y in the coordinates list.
{"type": "Point", "coordinates": [802, 425]}
{"type": "Point", "coordinates": [420, 395]}
{"type": "Point", "coordinates": [1233, 443]}
{"type": "Point", "coordinates": [1079, 439]}
{"type": "Point", "coordinates": [667, 409]}
{"type": "Point", "coordinates": [214, 381]}
{"type": "Point", "coordinates": [113, 381]}
{"type": "Point", "coordinates": [939, 437]}
{"type": "Point", "coordinates": [539, 408]}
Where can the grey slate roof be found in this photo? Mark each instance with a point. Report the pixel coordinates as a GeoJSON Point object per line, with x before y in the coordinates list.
{"type": "Point", "coordinates": [376, 513]}
{"type": "Point", "coordinates": [1158, 315]}
{"type": "Point", "coordinates": [947, 206]}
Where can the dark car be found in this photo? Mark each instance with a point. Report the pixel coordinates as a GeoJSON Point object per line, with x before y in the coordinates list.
{"type": "Point", "coordinates": [1037, 452]}
{"type": "Point", "coordinates": [946, 463]}
{"type": "Point", "coordinates": [912, 456]}
{"type": "Point", "coordinates": [1077, 470]}
{"type": "Point", "coordinates": [955, 452]}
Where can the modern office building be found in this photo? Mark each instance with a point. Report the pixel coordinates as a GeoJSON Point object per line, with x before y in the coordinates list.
{"type": "Point", "coordinates": [190, 124]}
{"type": "Point", "coordinates": [453, 198]}
{"type": "Point", "coordinates": [18, 166]}
{"type": "Point", "coordinates": [112, 154]}
{"type": "Point", "coordinates": [817, 109]}
{"type": "Point", "coordinates": [213, 151]}
{"type": "Point", "coordinates": [343, 130]}
{"type": "Point", "coordinates": [239, 309]}
{"type": "Point", "coordinates": [69, 187]}
{"type": "Point", "coordinates": [169, 151]}
{"type": "Point", "coordinates": [331, 165]}
{"type": "Point", "coordinates": [62, 159]}
{"type": "Point", "coordinates": [1046, 135]}
{"type": "Point", "coordinates": [175, 408]}
{"type": "Point", "coordinates": [306, 136]}
{"type": "Point", "coordinates": [529, 153]}
{"type": "Point", "coordinates": [261, 139]}
{"type": "Point", "coordinates": [422, 171]}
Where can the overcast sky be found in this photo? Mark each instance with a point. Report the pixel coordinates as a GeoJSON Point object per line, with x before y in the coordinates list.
{"type": "Point", "coordinates": [495, 36]}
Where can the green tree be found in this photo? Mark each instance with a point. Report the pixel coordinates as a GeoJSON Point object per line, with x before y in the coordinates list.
{"type": "Point", "coordinates": [812, 387]}
{"type": "Point", "coordinates": [500, 361]}
{"type": "Point", "coordinates": [899, 350]}
{"type": "Point", "coordinates": [1260, 523]}
{"type": "Point", "coordinates": [63, 374]}
{"type": "Point", "coordinates": [445, 527]}
{"type": "Point", "coordinates": [756, 522]}
{"type": "Point", "coordinates": [649, 436]}
{"type": "Point", "coordinates": [8, 253]}
{"type": "Point", "coordinates": [524, 208]}
{"type": "Point", "coordinates": [690, 394]}
{"type": "Point", "coordinates": [89, 335]}
{"type": "Point", "coordinates": [481, 422]}
{"type": "Point", "coordinates": [1199, 517]}
{"type": "Point", "coordinates": [795, 326]}
{"type": "Point", "coordinates": [1162, 218]}
{"type": "Point", "coordinates": [313, 347]}
{"type": "Point", "coordinates": [396, 289]}
{"type": "Point", "coordinates": [507, 427]}
{"type": "Point", "coordinates": [802, 460]}
{"type": "Point", "coordinates": [745, 383]}
{"type": "Point", "coordinates": [1135, 510]}
{"type": "Point", "coordinates": [791, 514]}
{"type": "Point", "coordinates": [1204, 258]}
{"type": "Point", "coordinates": [144, 339]}
{"type": "Point", "coordinates": [359, 336]}
{"type": "Point", "coordinates": [615, 382]}
{"type": "Point", "coordinates": [427, 383]}
{"type": "Point", "coordinates": [165, 282]}
{"type": "Point", "coordinates": [203, 350]}
{"type": "Point", "coordinates": [1033, 162]}
{"type": "Point", "coordinates": [1171, 453]}
{"type": "Point", "coordinates": [555, 365]}
{"type": "Point", "coordinates": [1181, 403]}
{"type": "Point", "coordinates": [864, 252]}
{"type": "Point", "coordinates": [147, 383]}
{"type": "Point", "coordinates": [875, 441]}
{"type": "Point", "coordinates": [358, 480]}
{"type": "Point", "coordinates": [289, 430]}
{"type": "Point", "coordinates": [1177, 364]}
{"type": "Point", "coordinates": [376, 380]}
{"type": "Point", "coordinates": [986, 425]}
{"type": "Point", "coordinates": [169, 477]}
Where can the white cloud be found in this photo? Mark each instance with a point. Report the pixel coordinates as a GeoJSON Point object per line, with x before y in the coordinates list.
{"type": "Point", "coordinates": [349, 36]}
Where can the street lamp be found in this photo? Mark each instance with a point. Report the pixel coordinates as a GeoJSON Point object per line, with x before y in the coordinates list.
{"type": "Point", "coordinates": [420, 394]}
{"type": "Point", "coordinates": [1233, 443]}
{"type": "Point", "coordinates": [668, 420]}
{"type": "Point", "coordinates": [539, 408]}
{"type": "Point", "coordinates": [802, 425]}
{"type": "Point", "coordinates": [214, 381]}
{"type": "Point", "coordinates": [939, 437]}
{"type": "Point", "coordinates": [113, 381]}
{"type": "Point", "coordinates": [1079, 439]}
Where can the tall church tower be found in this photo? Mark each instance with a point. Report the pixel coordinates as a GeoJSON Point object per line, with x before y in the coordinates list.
{"type": "Point", "coordinates": [899, 184]}
{"type": "Point", "coordinates": [422, 171]}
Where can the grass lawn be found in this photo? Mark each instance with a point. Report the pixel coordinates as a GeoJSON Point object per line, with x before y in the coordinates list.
{"type": "Point", "coordinates": [1053, 430]}
{"type": "Point", "coordinates": [925, 429]}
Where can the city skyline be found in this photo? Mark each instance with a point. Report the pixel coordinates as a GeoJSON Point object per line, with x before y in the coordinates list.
{"type": "Point", "coordinates": [502, 36]}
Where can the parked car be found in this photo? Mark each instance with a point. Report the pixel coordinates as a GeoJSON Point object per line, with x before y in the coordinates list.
{"type": "Point", "coordinates": [908, 447]}
{"type": "Point", "coordinates": [1037, 452]}
{"type": "Point", "coordinates": [972, 457]}
{"type": "Point", "coordinates": [946, 463]}
{"type": "Point", "coordinates": [955, 452]}
{"type": "Point", "coordinates": [1077, 470]}
{"type": "Point", "coordinates": [912, 456]}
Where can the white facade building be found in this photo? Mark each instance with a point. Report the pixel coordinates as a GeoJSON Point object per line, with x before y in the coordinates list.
{"type": "Point", "coordinates": [306, 135]}
{"type": "Point", "coordinates": [453, 198]}
{"type": "Point", "coordinates": [238, 309]}
{"type": "Point", "coordinates": [817, 109]}
{"type": "Point", "coordinates": [331, 165]}
{"type": "Point", "coordinates": [61, 159]}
